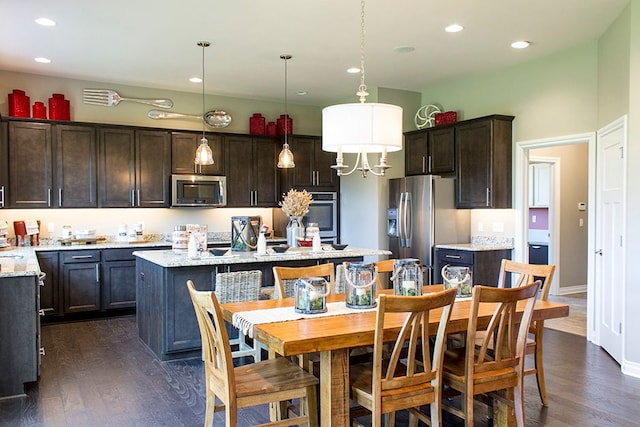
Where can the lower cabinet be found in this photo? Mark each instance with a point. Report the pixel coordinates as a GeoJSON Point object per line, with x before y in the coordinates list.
{"type": "Point", "coordinates": [81, 281]}
{"type": "Point", "coordinates": [50, 290]}
{"type": "Point", "coordinates": [19, 334]}
{"type": "Point", "coordinates": [484, 264]}
{"type": "Point", "coordinates": [118, 279]}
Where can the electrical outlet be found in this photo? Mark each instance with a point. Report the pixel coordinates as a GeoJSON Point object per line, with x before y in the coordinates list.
{"type": "Point", "coordinates": [51, 227]}
{"type": "Point", "coordinates": [533, 219]}
{"type": "Point", "coordinates": [498, 227]}
{"type": "Point", "coordinates": [480, 226]}
{"type": "Point", "coordinates": [581, 222]}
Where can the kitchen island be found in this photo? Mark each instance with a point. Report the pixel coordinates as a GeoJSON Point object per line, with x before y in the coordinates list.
{"type": "Point", "coordinates": [166, 321]}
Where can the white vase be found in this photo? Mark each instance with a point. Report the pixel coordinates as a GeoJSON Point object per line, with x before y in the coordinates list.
{"type": "Point", "coordinates": [295, 229]}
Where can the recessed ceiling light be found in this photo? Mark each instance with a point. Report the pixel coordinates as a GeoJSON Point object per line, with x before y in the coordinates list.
{"type": "Point", "coordinates": [195, 80]}
{"type": "Point", "coordinates": [301, 92]}
{"type": "Point", "coordinates": [46, 22]}
{"type": "Point", "coordinates": [353, 70]}
{"type": "Point", "coordinates": [454, 28]}
{"type": "Point", "coordinates": [404, 49]}
{"type": "Point", "coordinates": [42, 60]}
{"type": "Point", "coordinates": [522, 44]}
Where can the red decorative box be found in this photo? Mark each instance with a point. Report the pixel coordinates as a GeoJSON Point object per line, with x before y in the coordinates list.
{"type": "Point", "coordinates": [446, 118]}
{"type": "Point", "coordinates": [59, 108]}
{"type": "Point", "coordinates": [280, 126]}
{"type": "Point", "coordinates": [271, 129]}
{"type": "Point", "coordinates": [19, 104]}
{"type": "Point", "coordinates": [256, 124]}
{"type": "Point", "coordinates": [39, 110]}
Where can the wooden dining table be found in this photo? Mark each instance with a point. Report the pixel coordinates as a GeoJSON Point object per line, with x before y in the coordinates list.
{"type": "Point", "coordinates": [334, 336]}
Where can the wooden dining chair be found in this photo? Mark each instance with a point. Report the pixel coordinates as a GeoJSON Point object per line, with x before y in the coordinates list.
{"type": "Point", "coordinates": [239, 286]}
{"type": "Point", "coordinates": [285, 277]}
{"type": "Point", "coordinates": [521, 274]}
{"type": "Point", "coordinates": [386, 268]}
{"type": "Point", "coordinates": [411, 377]}
{"type": "Point", "coordinates": [493, 359]}
{"type": "Point", "coordinates": [254, 384]}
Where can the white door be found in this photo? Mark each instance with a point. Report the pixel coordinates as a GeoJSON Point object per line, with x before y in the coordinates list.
{"type": "Point", "coordinates": [609, 257]}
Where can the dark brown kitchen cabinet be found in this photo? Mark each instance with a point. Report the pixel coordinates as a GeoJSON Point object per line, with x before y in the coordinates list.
{"type": "Point", "coordinates": [81, 281]}
{"type": "Point", "coordinates": [49, 293]}
{"type": "Point", "coordinates": [430, 151]}
{"type": "Point", "coordinates": [483, 162]}
{"type": "Point", "coordinates": [30, 146]}
{"type": "Point", "coordinates": [313, 165]}
{"type": "Point", "coordinates": [484, 265]}
{"type": "Point", "coordinates": [134, 167]}
{"type": "Point", "coordinates": [183, 150]}
{"type": "Point", "coordinates": [76, 172]}
{"type": "Point", "coordinates": [252, 174]}
{"type": "Point", "coordinates": [119, 279]}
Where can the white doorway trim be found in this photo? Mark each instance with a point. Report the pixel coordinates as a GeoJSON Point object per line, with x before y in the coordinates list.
{"type": "Point", "coordinates": [520, 192]}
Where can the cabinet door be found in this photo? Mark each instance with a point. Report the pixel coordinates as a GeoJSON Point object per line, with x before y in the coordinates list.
{"type": "Point", "coordinates": [474, 169]}
{"type": "Point", "coordinates": [239, 161]}
{"type": "Point", "coordinates": [303, 149]}
{"type": "Point", "coordinates": [415, 153]}
{"type": "Point", "coordinates": [30, 165]}
{"type": "Point", "coordinates": [119, 285]}
{"type": "Point", "coordinates": [441, 150]}
{"type": "Point", "coordinates": [183, 149]}
{"type": "Point", "coordinates": [81, 282]}
{"type": "Point", "coordinates": [117, 172]}
{"type": "Point", "coordinates": [50, 292]}
{"type": "Point", "coordinates": [265, 172]}
{"type": "Point", "coordinates": [326, 178]}
{"type": "Point", "coordinates": [153, 166]}
{"type": "Point", "coordinates": [76, 178]}
{"type": "Point", "coordinates": [539, 185]}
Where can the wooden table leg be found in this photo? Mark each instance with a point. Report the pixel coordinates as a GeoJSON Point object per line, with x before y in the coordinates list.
{"type": "Point", "coordinates": [334, 388]}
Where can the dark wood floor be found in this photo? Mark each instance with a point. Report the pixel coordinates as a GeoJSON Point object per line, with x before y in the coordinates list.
{"type": "Point", "coordinates": [98, 373]}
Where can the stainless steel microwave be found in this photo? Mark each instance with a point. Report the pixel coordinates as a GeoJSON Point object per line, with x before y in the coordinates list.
{"type": "Point", "coordinates": [198, 190]}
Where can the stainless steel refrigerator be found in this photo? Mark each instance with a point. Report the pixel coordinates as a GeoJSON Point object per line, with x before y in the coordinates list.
{"type": "Point", "coordinates": [422, 214]}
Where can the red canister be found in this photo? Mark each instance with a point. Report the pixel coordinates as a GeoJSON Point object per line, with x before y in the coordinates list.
{"type": "Point", "coordinates": [256, 124]}
{"type": "Point", "coordinates": [284, 120]}
{"type": "Point", "coordinates": [59, 108]}
{"type": "Point", "coordinates": [39, 110]}
{"type": "Point", "coordinates": [271, 129]}
{"type": "Point", "coordinates": [19, 104]}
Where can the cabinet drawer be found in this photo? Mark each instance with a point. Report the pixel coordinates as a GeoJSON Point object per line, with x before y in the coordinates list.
{"type": "Point", "coordinates": [70, 257]}
{"type": "Point", "coordinates": [457, 256]}
{"type": "Point", "coordinates": [125, 254]}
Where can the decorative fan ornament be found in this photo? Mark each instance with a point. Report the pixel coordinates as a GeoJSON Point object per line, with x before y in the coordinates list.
{"type": "Point", "coordinates": [425, 117]}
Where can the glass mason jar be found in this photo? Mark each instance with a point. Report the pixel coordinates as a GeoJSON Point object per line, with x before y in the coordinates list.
{"type": "Point", "coordinates": [457, 277]}
{"type": "Point", "coordinates": [360, 280]}
{"type": "Point", "coordinates": [407, 277]}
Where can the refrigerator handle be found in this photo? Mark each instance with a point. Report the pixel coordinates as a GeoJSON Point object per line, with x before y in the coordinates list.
{"type": "Point", "coordinates": [401, 220]}
{"type": "Point", "coordinates": [408, 220]}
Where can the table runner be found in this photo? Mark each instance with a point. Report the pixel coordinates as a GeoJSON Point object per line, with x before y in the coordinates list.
{"type": "Point", "coordinates": [245, 320]}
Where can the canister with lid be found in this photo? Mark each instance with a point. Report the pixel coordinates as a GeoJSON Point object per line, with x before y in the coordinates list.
{"type": "Point", "coordinates": [180, 238]}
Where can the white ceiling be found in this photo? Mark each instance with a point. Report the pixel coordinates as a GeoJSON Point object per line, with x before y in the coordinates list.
{"type": "Point", "coordinates": [153, 43]}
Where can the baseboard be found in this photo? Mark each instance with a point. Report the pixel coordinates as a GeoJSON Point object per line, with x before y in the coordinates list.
{"type": "Point", "coordinates": [631, 368]}
{"type": "Point", "coordinates": [567, 290]}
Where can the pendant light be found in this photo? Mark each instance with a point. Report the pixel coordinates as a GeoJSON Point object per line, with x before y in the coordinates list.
{"type": "Point", "coordinates": [204, 155]}
{"type": "Point", "coordinates": [285, 158]}
{"type": "Point", "coordinates": [362, 128]}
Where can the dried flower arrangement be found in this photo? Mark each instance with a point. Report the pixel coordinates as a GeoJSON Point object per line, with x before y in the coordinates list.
{"type": "Point", "coordinates": [296, 203]}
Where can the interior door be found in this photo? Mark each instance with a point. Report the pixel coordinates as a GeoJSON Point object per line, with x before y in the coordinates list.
{"type": "Point", "coordinates": [609, 258]}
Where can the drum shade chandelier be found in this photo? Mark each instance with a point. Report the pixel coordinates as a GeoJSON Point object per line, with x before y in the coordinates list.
{"type": "Point", "coordinates": [285, 158]}
{"type": "Point", "coordinates": [204, 155]}
{"type": "Point", "coordinates": [362, 128]}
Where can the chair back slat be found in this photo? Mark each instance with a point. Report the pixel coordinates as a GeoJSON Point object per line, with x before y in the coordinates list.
{"type": "Point", "coordinates": [523, 274]}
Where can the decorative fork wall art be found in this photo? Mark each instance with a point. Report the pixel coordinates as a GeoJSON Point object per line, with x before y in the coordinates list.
{"type": "Point", "coordinates": [110, 98]}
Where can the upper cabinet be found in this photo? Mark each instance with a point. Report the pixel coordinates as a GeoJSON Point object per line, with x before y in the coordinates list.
{"type": "Point", "coordinates": [134, 167]}
{"type": "Point", "coordinates": [252, 174]}
{"type": "Point", "coordinates": [483, 162]}
{"type": "Point", "coordinates": [539, 185]}
{"type": "Point", "coordinates": [313, 166]}
{"type": "Point", "coordinates": [430, 151]}
{"type": "Point", "coordinates": [183, 150]}
{"type": "Point", "coordinates": [76, 167]}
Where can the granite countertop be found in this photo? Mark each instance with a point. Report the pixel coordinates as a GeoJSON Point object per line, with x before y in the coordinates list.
{"type": "Point", "coordinates": [476, 247]}
{"type": "Point", "coordinates": [18, 262]}
{"type": "Point", "coordinates": [169, 258]}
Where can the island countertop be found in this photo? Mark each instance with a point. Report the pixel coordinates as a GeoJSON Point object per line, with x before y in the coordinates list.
{"type": "Point", "coordinates": [169, 258]}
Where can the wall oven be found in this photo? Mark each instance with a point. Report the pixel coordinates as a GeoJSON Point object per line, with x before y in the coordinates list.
{"type": "Point", "coordinates": [324, 211]}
